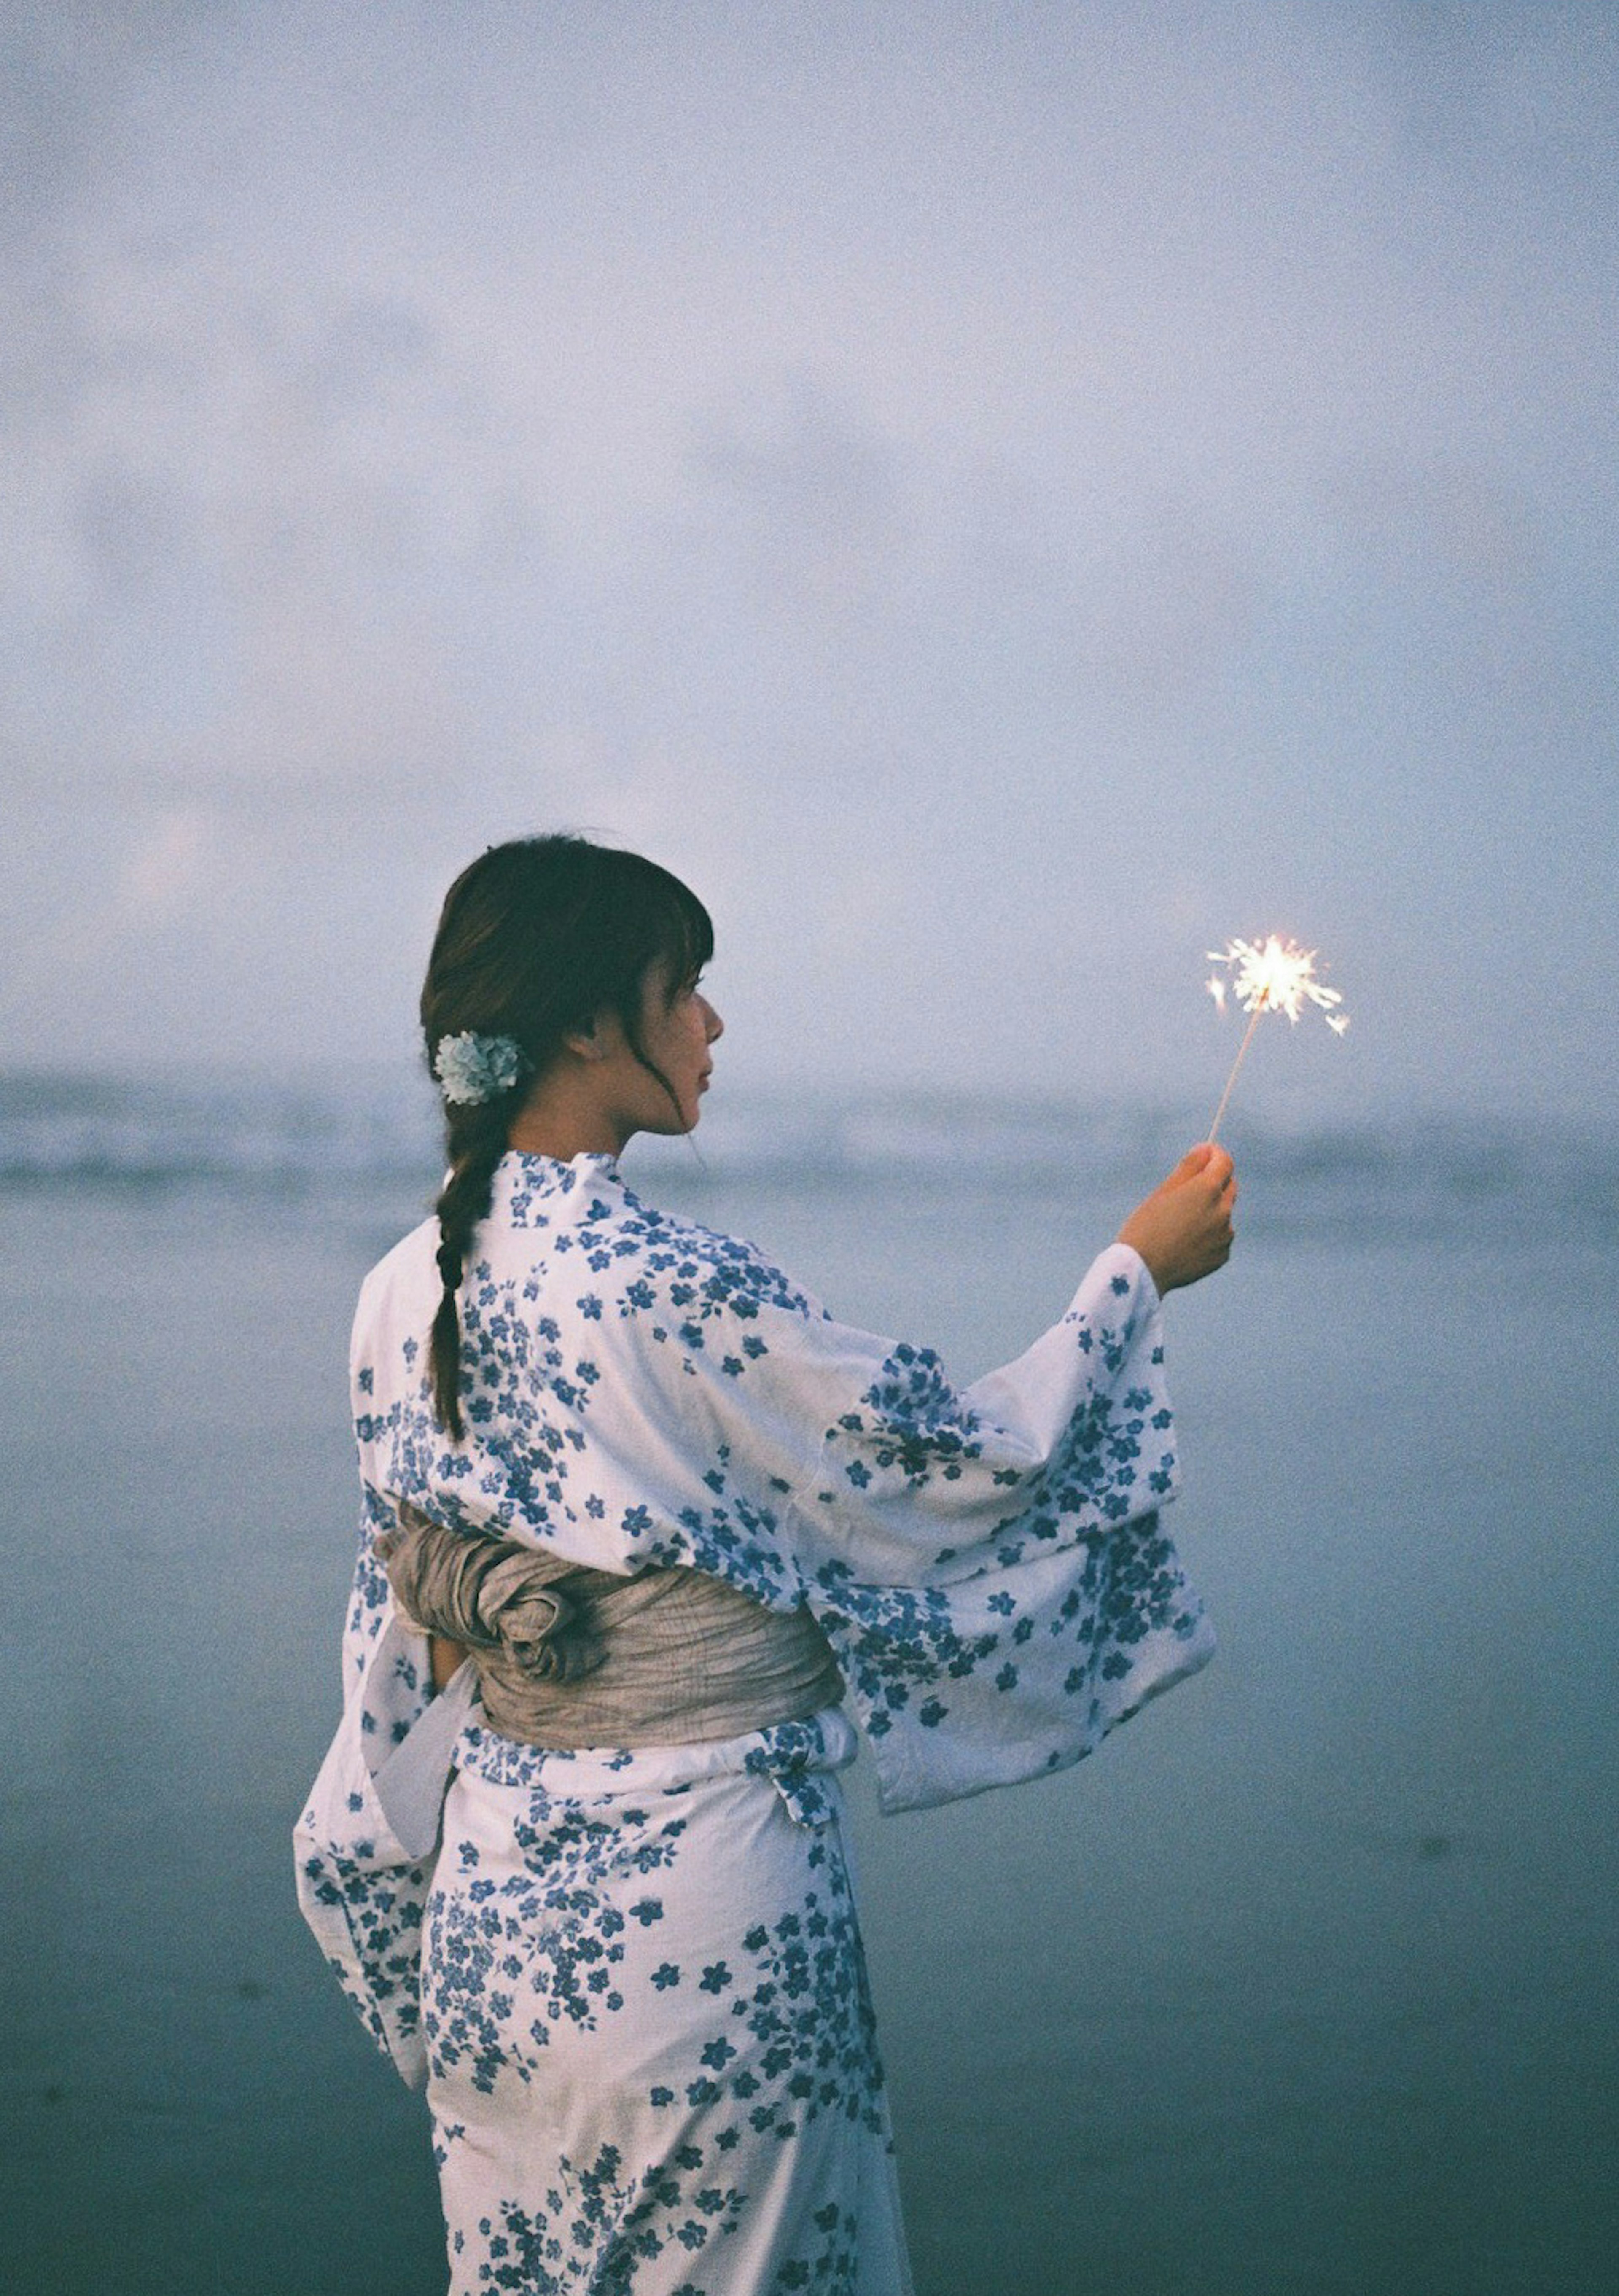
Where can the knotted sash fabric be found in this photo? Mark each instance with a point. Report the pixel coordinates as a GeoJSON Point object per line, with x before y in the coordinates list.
{"type": "Point", "coordinates": [568, 1658]}
{"type": "Point", "coordinates": [493, 1595]}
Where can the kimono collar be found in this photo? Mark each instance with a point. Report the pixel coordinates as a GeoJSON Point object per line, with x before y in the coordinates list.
{"type": "Point", "coordinates": [525, 1179]}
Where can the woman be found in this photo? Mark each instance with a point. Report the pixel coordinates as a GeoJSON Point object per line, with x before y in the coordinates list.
{"type": "Point", "coordinates": [677, 1516]}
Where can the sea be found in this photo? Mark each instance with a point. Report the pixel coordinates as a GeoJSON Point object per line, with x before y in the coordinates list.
{"type": "Point", "coordinates": [1306, 1984]}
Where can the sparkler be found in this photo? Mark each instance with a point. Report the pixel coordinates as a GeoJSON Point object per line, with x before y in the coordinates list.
{"type": "Point", "coordinates": [1276, 976]}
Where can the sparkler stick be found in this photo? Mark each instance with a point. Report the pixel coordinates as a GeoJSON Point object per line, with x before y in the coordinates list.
{"type": "Point", "coordinates": [1275, 977]}
{"type": "Point", "coordinates": [1247, 1040]}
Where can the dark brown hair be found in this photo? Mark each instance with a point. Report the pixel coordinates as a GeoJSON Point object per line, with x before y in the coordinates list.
{"type": "Point", "coordinates": [537, 938]}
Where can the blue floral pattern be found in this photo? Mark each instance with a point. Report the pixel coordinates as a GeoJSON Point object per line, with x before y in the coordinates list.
{"type": "Point", "coordinates": [988, 1562]}
{"type": "Point", "coordinates": [653, 2066]}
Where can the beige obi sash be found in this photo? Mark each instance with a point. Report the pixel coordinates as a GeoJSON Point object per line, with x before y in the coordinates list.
{"type": "Point", "coordinates": [568, 1658]}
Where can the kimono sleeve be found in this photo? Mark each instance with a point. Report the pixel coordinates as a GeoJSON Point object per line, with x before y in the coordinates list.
{"type": "Point", "coordinates": [988, 1562]}
{"type": "Point", "coordinates": [362, 1890]}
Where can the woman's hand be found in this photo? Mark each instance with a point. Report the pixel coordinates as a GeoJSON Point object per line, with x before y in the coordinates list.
{"type": "Point", "coordinates": [1183, 1229]}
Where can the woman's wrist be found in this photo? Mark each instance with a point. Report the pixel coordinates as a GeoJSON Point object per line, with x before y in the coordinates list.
{"type": "Point", "coordinates": [1149, 1273]}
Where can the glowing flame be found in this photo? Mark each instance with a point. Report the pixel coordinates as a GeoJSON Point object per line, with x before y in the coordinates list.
{"type": "Point", "coordinates": [1276, 976]}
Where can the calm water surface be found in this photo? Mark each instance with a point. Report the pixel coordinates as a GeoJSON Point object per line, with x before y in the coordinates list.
{"type": "Point", "coordinates": [1306, 1983]}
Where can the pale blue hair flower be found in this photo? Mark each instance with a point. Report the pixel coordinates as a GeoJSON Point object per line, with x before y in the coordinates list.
{"type": "Point", "coordinates": [472, 1068]}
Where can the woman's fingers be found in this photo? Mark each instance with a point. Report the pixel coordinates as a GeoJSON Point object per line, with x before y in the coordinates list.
{"type": "Point", "coordinates": [1216, 1178]}
{"type": "Point", "coordinates": [1206, 1163]}
{"type": "Point", "coordinates": [1195, 1160]}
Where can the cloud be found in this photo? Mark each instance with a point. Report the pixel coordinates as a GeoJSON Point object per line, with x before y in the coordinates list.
{"type": "Point", "coordinates": [943, 464]}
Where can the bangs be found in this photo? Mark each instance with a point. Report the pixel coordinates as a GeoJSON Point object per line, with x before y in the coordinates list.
{"type": "Point", "coordinates": [680, 930]}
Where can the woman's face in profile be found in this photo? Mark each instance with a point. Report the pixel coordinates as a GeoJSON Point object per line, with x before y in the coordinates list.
{"type": "Point", "coordinates": [677, 1035]}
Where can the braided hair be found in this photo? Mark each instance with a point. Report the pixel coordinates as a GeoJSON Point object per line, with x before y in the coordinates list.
{"type": "Point", "coordinates": [537, 938]}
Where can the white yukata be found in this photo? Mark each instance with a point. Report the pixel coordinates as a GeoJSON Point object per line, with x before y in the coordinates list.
{"type": "Point", "coordinates": [633, 1979]}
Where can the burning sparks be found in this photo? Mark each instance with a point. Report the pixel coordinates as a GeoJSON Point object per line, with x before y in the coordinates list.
{"type": "Point", "coordinates": [1276, 976]}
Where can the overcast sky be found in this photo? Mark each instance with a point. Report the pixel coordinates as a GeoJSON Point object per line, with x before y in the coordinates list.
{"type": "Point", "coordinates": [1002, 498]}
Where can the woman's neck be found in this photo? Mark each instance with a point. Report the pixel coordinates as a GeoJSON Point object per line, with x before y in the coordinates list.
{"type": "Point", "coordinates": [563, 1125]}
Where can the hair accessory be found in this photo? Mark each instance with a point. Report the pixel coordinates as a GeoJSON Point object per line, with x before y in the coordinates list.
{"type": "Point", "coordinates": [472, 1068]}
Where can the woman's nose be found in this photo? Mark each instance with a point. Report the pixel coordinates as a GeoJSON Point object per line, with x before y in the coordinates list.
{"type": "Point", "coordinates": [715, 1025]}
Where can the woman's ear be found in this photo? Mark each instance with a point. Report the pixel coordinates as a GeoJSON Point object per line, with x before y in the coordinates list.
{"type": "Point", "coordinates": [597, 1038]}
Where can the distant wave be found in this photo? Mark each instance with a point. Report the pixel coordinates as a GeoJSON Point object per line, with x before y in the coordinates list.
{"type": "Point", "coordinates": [91, 1130]}
{"type": "Point", "coordinates": [380, 1137]}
